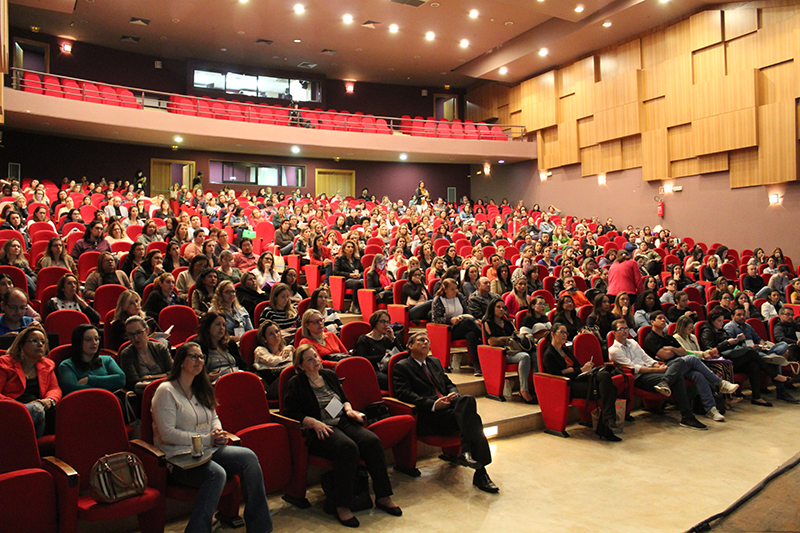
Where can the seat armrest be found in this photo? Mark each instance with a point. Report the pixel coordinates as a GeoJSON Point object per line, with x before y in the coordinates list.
{"type": "Point", "coordinates": [233, 440]}
{"type": "Point", "coordinates": [551, 376]}
{"type": "Point", "coordinates": [289, 423]}
{"type": "Point", "coordinates": [59, 469]}
{"type": "Point", "coordinates": [150, 450]}
{"type": "Point", "coordinates": [400, 407]}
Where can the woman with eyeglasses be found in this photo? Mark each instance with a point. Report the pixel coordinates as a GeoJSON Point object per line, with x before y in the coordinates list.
{"type": "Point", "coordinates": [315, 398]}
{"type": "Point", "coordinates": [148, 271]}
{"type": "Point", "coordinates": [559, 360]}
{"type": "Point", "coordinates": [27, 376]}
{"type": "Point", "coordinates": [184, 406]}
{"type": "Point", "coordinates": [379, 345]}
{"type": "Point", "coordinates": [498, 330]}
{"type": "Point", "coordinates": [221, 351]}
{"type": "Point", "coordinates": [271, 357]}
{"type": "Point", "coordinates": [143, 360]}
{"type": "Point", "coordinates": [105, 274]}
{"type": "Point", "coordinates": [225, 304]}
{"type": "Point", "coordinates": [86, 368]}
{"type": "Point", "coordinates": [326, 343]}
{"type": "Point", "coordinates": [416, 296]}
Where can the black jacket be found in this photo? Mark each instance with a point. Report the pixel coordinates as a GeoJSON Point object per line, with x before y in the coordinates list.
{"type": "Point", "coordinates": [344, 267]}
{"type": "Point", "coordinates": [299, 400]}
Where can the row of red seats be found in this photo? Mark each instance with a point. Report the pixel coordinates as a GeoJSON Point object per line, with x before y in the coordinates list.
{"type": "Point", "coordinates": [234, 110]}
{"type": "Point", "coordinates": [85, 91]}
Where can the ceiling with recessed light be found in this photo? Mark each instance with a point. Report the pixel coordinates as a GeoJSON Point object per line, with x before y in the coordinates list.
{"type": "Point", "coordinates": [466, 39]}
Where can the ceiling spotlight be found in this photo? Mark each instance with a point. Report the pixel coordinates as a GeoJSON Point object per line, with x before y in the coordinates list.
{"type": "Point", "coordinates": [464, 43]}
{"type": "Point", "coordinates": [295, 149]}
{"type": "Point", "coordinates": [607, 24]}
{"type": "Point", "coordinates": [430, 36]}
{"type": "Point", "coordinates": [503, 70]}
{"type": "Point", "coordinates": [579, 9]}
{"type": "Point", "coordinates": [473, 14]}
{"type": "Point", "coordinates": [298, 41]}
{"type": "Point", "coordinates": [543, 51]}
{"type": "Point", "coordinates": [299, 8]}
{"type": "Point", "coordinates": [242, 1]}
{"type": "Point", "coordinates": [393, 28]}
{"type": "Point", "coordinates": [664, 1]}
{"type": "Point", "coordinates": [403, 157]}
{"type": "Point", "coordinates": [500, 162]}
{"type": "Point", "coordinates": [178, 139]}
{"type": "Point", "coordinates": [347, 19]}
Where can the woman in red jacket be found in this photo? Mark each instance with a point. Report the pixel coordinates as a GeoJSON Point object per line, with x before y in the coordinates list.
{"type": "Point", "coordinates": [28, 376]}
{"type": "Point", "coordinates": [326, 343]}
{"type": "Point", "coordinates": [320, 255]}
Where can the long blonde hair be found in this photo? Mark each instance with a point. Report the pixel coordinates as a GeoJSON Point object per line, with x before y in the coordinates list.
{"type": "Point", "coordinates": [218, 301]}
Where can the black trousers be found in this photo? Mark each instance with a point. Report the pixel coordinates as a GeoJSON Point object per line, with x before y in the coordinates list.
{"type": "Point", "coordinates": [421, 311]}
{"type": "Point", "coordinates": [461, 417]}
{"type": "Point", "coordinates": [349, 443]}
{"type": "Point", "coordinates": [579, 388]}
{"type": "Point", "coordinates": [468, 330]}
{"type": "Point", "coordinates": [747, 361]}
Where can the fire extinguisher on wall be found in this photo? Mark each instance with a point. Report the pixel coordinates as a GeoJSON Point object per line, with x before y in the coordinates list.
{"type": "Point", "coordinates": [660, 206]}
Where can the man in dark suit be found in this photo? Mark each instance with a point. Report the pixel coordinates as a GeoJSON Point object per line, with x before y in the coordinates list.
{"type": "Point", "coordinates": [441, 410]}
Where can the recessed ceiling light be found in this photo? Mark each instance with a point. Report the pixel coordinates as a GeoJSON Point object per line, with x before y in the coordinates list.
{"type": "Point", "coordinates": [443, 73]}
{"type": "Point", "coordinates": [299, 8]}
{"type": "Point", "coordinates": [543, 51]}
{"type": "Point", "coordinates": [509, 23]}
{"type": "Point", "coordinates": [500, 162]}
{"type": "Point", "coordinates": [295, 149]}
{"type": "Point", "coordinates": [359, 49]}
{"type": "Point", "coordinates": [435, 4]}
{"type": "Point", "coordinates": [393, 28]}
{"type": "Point", "coordinates": [298, 41]}
{"type": "Point", "coordinates": [347, 19]}
{"type": "Point", "coordinates": [176, 20]}
{"type": "Point", "coordinates": [430, 36]}
{"type": "Point", "coordinates": [163, 37]}
{"type": "Point", "coordinates": [403, 157]}
{"type": "Point", "coordinates": [417, 57]}
{"type": "Point", "coordinates": [579, 9]}
{"type": "Point", "coordinates": [178, 139]}
{"type": "Point", "coordinates": [240, 32]}
{"type": "Point", "coordinates": [464, 43]}
{"type": "Point", "coordinates": [223, 49]}
{"type": "Point", "coordinates": [607, 24]}
{"type": "Point", "coordinates": [473, 14]}
{"type": "Point", "coordinates": [664, 1]}
{"type": "Point", "coordinates": [242, 1]}
{"type": "Point", "coordinates": [503, 70]}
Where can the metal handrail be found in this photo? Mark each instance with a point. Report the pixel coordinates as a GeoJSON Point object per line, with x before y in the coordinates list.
{"type": "Point", "coordinates": [253, 113]}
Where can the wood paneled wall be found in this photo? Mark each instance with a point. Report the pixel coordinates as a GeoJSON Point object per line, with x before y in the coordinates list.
{"type": "Point", "coordinates": [715, 92]}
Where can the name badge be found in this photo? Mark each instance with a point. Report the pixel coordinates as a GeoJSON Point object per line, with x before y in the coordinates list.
{"type": "Point", "coordinates": [334, 407]}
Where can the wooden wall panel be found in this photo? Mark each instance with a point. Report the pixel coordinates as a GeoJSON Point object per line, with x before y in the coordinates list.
{"type": "Point", "coordinates": [679, 90]}
{"type": "Point", "coordinates": [611, 155]}
{"type": "Point", "coordinates": [570, 76]}
{"type": "Point", "coordinates": [540, 115]}
{"type": "Point", "coordinates": [775, 15]}
{"type": "Point", "coordinates": [584, 98]}
{"type": "Point", "coordinates": [590, 161]}
{"type": "Point", "coordinates": [742, 53]}
{"type": "Point", "coordinates": [738, 22]}
{"type": "Point", "coordinates": [724, 94]}
{"type": "Point", "coordinates": [660, 46]}
{"type": "Point", "coordinates": [632, 152]}
{"type": "Point", "coordinates": [708, 63]}
{"type": "Point", "coordinates": [706, 29]}
{"type": "Point", "coordinates": [624, 58]}
{"type": "Point", "coordinates": [569, 152]}
{"type": "Point", "coordinates": [654, 82]}
{"type": "Point", "coordinates": [586, 132]}
{"type": "Point", "coordinates": [777, 149]}
{"type": "Point", "coordinates": [778, 42]}
{"type": "Point", "coordinates": [744, 168]}
{"type": "Point", "coordinates": [515, 99]}
{"type": "Point", "coordinates": [655, 164]}
{"type": "Point", "coordinates": [618, 122]}
{"type": "Point", "coordinates": [680, 143]}
{"type": "Point", "coordinates": [654, 114]}
{"type": "Point", "coordinates": [777, 83]}
{"type": "Point", "coordinates": [713, 163]}
{"type": "Point", "coordinates": [722, 133]}
{"type": "Point", "coordinates": [567, 108]}
{"type": "Point", "coordinates": [684, 167]}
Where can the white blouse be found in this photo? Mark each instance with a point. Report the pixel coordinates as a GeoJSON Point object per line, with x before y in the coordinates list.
{"type": "Point", "coordinates": [176, 419]}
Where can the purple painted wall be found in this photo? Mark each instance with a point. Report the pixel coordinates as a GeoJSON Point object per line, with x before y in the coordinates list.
{"type": "Point", "coordinates": [707, 209]}
{"type": "Point", "coordinates": [75, 158]}
{"type": "Point", "coordinates": [387, 100]}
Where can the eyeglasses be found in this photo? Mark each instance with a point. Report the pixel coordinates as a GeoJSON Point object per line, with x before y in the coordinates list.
{"type": "Point", "coordinates": [228, 292]}
{"type": "Point", "coordinates": [37, 342]}
{"type": "Point", "coordinates": [317, 321]}
{"type": "Point", "coordinates": [384, 321]}
{"type": "Point", "coordinates": [135, 333]}
{"type": "Point", "coordinates": [196, 357]}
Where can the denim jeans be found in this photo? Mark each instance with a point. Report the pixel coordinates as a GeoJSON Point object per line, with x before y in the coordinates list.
{"type": "Point", "coordinates": [37, 414]}
{"type": "Point", "coordinates": [780, 348]}
{"type": "Point", "coordinates": [522, 359]}
{"type": "Point", "coordinates": [674, 376]}
{"type": "Point", "coordinates": [696, 371]}
{"type": "Point", "coordinates": [210, 479]}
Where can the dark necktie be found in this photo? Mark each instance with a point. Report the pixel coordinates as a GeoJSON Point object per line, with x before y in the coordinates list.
{"type": "Point", "coordinates": [430, 378]}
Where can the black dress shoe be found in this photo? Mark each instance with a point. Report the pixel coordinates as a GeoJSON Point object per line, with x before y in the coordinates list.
{"type": "Point", "coordinates": [465, 458]}
{"type": "Point", "coordinates": [786, 397]}
{"type": "Point", "coordinates": [482, 481]}
{"type": "Point", "coordinates": [630, 418]}
{"type": "Point", "coordinates": [394, 511]}
{"type": "Point", "coordinates": [413, 472]}
{"type": "Point", "coordinates": [606, 433]}
{"type": "Point", "coordinates": [350, 522]}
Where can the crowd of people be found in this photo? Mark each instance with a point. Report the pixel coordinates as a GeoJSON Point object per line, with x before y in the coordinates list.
{"type": "Point", "coordinates": [525, 279]}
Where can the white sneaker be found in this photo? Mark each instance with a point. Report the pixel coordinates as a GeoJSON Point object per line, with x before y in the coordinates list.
{"type": "Point", "coordinates": [663, 388]}
{"type": "Point", "coordinates": [726, 387]}
{"type": "Point", "coordinates": [715, 415]}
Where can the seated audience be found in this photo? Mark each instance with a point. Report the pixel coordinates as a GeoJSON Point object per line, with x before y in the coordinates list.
{"type": "Point", "coordinates": [498, 331]}
{"type": "Point", "coordinates": [319, 301]}
{"type": "Point", "coordinates": [203, 292]}
{"type": "Point", "coordinates": [326, 343]}
{"type": "Point", "coordinates": [67, 298]}
{"type": "Point", "coordinates": [379, 345]}
{"type": "Point", "coordinates": [106, 273]}
{"type": "Point", "coordinates": [272, 356]}
{"type": "Point", "coordinates": [220, 350]}
{"type": "Point", "coordinates": [86, 368]}
{"type": "Point", "coordinates": [186, 279]}
{"type": "Point", "coordinates": [225, 304]}
{"type": "Point", "coordinates": [142, 360]}
{"type": "Point", "coordinates": [450, 307]}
